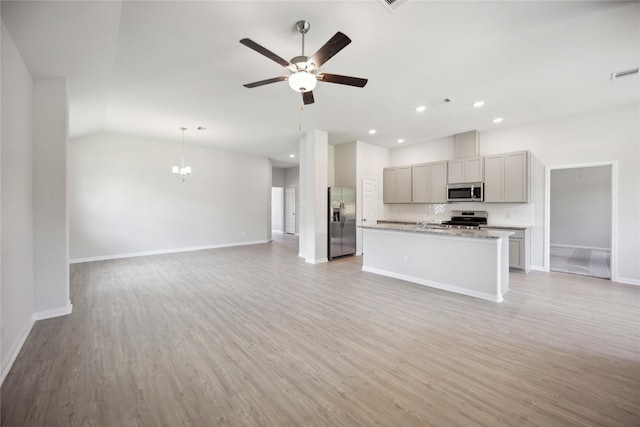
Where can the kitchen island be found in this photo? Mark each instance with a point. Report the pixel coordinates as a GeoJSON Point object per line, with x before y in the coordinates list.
{"type": "Point", "coordinates": [468, 262]}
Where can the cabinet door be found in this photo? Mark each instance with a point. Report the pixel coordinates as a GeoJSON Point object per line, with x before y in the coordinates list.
{"type": "Point", "coordinates": [473, 170]}
{"type": "Point", "coordinates": [403, 185]}
{"type": "Point", "coordinates": [389, 185]}
{"type": "Point", "coordinates": [494, 178]}
{"type": "Point", "coordinates": [516, 177]}
{"type": "Point", "coordinates": [437, 183]}
{"type": "Point", "coordinates": [419, 183]}
{"type": "Point", "coordinates": [456, 171]}
{"type": "Point", "coordinates": [516, 253]}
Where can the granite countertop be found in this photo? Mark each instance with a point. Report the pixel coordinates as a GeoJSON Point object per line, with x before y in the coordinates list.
{"type": "Point", "coordinates": [508, 227]}
{"type": "Point", "coordinates": [449, 232]}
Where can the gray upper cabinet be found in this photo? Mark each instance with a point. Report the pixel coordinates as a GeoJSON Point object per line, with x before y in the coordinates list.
{"type": "Point", "coordinates": [465, 170]}
{"type": "Point", "coordinates": [396, 185]}
{"type": "Point", "coordinates": [429, 183]}
{"type": "Point", "coordinates": [507, 177]}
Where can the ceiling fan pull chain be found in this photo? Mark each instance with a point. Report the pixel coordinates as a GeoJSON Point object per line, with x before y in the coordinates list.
{"type": "Point", "coordinates": [300, 118]}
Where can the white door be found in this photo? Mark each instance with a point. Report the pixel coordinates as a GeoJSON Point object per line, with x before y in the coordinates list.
{"type": "Point", "coordinates": [369, 200]}
{"type": "Point", "coordinates": [290, 210]}
{"type": "Point", "coordinates": [277, 214]}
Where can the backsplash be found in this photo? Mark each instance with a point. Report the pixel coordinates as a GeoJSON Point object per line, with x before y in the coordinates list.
{"type": "Point", "coordinates": [520, 214]}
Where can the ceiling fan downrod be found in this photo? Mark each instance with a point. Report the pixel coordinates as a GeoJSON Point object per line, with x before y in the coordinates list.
{"type": "Point", "coordinates": [303, 27]}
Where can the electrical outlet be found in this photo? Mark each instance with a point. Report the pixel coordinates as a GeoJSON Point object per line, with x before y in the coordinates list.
{"type": "Point", "coordinates": [405, 258]}
{"type": "Point", "coordinates": [244, 234]}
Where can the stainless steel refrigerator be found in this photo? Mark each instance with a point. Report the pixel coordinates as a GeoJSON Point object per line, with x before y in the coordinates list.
{"type": "Point", "coordinates": [342, 222]}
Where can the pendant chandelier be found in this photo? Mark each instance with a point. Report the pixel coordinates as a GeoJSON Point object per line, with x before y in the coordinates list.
{"type": "Point", "coordinates": [182, 171]}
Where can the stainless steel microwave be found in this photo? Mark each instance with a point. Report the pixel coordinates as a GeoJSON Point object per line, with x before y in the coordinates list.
{"type": "Point", "coordinates": [468, 192]}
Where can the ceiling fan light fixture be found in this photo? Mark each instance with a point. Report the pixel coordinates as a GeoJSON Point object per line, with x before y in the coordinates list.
{"type": "Point", "coordinates": [302, 81]}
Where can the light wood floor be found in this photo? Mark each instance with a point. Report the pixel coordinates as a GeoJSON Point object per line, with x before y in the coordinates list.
{"type": "Point", "coordinates": [252, 336]}
{"type": "Point", "coordinates": [585, 262]}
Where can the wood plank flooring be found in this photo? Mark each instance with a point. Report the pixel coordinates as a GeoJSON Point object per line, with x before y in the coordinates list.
{"type": "Point", "coordinates": [254, 336]}
{"type": "Point", "coordinates": [585, 262]}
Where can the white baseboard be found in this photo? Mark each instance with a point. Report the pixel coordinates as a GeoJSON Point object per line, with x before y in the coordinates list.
{"type": "Point", "coordinates": [437, 285]}
{"type": "Point", "coordinates": [55, 312]}
{"type": "Point", "coordinates": [163, 251]}
{"type": "Point", "coordinates": [628, 281]}
{"type": "Point", "coordinates": [17, 345]}
{"type": "Point", "coordinates": [316, 261]}
{"type": "Point", "coordinates": [556, 245]}
{"type": "Point", "coordinates": [539, 268]}
{"type": "Point", "coordinates": [13, 352]}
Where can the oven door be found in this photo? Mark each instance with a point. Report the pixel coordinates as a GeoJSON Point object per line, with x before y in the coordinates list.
{"type": "Point", "coordinates": [457, 192]}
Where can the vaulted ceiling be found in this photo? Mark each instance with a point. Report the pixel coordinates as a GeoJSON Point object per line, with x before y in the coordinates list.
{"type": "Point", "coordinates": [145, 68]}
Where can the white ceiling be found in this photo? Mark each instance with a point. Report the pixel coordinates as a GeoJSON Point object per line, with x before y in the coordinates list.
{"type": "Point", "coordinates": [146, 68]}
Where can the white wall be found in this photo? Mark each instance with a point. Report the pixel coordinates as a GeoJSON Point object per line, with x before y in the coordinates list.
{"type": "Point", "coordinates": [604, 135]}
{"type": "Point", "coordinates": [125, 200]}
{"type": "Point", "coordinates": [331, 166]}
{"type": "Point", "coordinates": [580, 207]}
{"type": "Point", "coordinates": [345, 165]}
{"type": "Point", "coordinates": [16, 203]}
{"type": "Point", "coordinates": [50, 218]}
{"type": "Point", "coordinates": [314, 161]}
{"type": "Point", "coordinates": [370, 162]}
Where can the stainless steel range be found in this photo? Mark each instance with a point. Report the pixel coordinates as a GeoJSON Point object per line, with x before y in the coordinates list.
{"type": "Point", "coordinates": [470, 220]}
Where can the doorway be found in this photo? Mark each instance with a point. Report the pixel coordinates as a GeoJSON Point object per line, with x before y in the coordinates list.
{"type": "Point", "coordinates": [581, 212]}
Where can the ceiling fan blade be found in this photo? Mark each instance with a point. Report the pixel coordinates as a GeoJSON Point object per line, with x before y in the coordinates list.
{"type": "Point", "coordinates": [307, 97]}
{"type": "Point", "coordinates": [338, 42]}
{"type": "Point", "coordinates": [265, 82]}
{"type": "Point", "coordinates": [264, 51]}
{"type": "Point", "coordinates": [343, 80]}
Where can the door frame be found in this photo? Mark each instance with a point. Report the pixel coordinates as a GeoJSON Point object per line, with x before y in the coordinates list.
{"type": "Point", "coordinates": [614, 211]}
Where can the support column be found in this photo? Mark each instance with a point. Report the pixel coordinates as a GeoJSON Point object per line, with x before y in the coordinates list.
{"type": "Point", "coordinates": [314, 149]}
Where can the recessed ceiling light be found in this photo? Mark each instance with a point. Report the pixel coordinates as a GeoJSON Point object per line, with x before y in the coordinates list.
{"type": "Point", "coordinates": [372, 132]}
{"type": "Point", "coordinates": [498, 120]}
{"type": "Point", "coordinates": [421, 108]}
{"type": "Point", "coordinates": [292, 155]}
{"type": "Point", "coordinates": [478, 104]}
{"type": "Point", "coordinates": [400, 140]}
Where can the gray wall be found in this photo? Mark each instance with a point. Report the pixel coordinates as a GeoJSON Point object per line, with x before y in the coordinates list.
{"type": "Point", "coordinates": [124, 200]}
{"type": "Point", "coordinates": [16, 202]}
{"type": "Point", "coordinates": [50, 216]}
{"type": "Point", "coordinates": [277, 177]}
{"type": "Point", "coordinates": [580, 207]}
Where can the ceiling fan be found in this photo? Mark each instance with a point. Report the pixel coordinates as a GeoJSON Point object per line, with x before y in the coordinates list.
{"type": "Point", "coordinates": [303, 70]}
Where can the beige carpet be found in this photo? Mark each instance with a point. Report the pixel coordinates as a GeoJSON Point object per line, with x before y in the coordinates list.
{"type": "Point", "coordinates": [585, 262]}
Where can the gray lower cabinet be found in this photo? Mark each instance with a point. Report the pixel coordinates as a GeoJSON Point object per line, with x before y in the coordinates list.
{"type": "Point", "coordinates": [519, 244]}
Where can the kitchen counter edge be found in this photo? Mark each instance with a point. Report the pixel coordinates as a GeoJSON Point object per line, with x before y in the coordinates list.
{"type": "Point", "coordinates": [453, 232]}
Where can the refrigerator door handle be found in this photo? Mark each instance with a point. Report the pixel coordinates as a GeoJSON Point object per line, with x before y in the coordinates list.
{"type": "Point", "coordinates": [342, 212]}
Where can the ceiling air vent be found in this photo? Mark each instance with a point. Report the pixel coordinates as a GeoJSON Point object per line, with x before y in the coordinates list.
{"type": "Point", "coordinates": [392, 5]}
{"type": "Point", "coordinates": [621, 74]}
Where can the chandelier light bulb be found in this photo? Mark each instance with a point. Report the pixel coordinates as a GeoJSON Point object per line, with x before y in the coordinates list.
{"type": "Point", "coordinates": [182, 171]}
